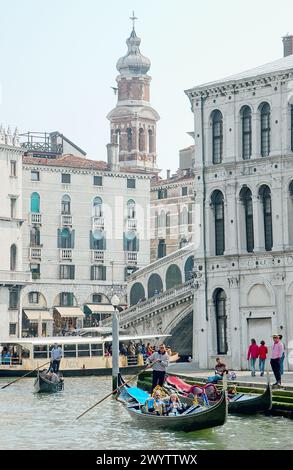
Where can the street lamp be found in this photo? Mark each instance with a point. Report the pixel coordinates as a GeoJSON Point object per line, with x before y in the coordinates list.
{"type": "Point", "coordinates": [115, 342]}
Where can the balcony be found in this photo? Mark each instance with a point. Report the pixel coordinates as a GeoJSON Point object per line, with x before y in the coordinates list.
{"type": "Point", "coordinates": [35, 218]}
{"type": "Point", "coordinates": [97, 256]}
{"type": "Point", "coordinates": [131, 257]}
{"type": "Point", "coordinates": [66, 220]}
{"type": "Point", "coordinates": [65, 254]}
{"type": "Point", "coordinates": [98, 222]}
{"type": "Point", "coordinates": [15, 277]}
{"type": "Point", "coordinates": [131, 225]}
{"type": "Point", "coordinates": [35, 253]}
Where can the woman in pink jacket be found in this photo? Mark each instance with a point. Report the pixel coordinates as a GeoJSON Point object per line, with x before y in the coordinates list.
{"type": "Point", "coordinates": [252, 355]}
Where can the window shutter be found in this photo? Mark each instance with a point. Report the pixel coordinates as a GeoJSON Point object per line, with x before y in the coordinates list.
{"type": "Point", "coordinates": [103, 273]}
{"type": "Point", "coordinates": [124, 242]}
{"type": "Point", "coordinates": [91, 240]}
{"type": "Point", "coordinates": [137, 244]}
{"type": "Point", "coordinates": [72, 238]}
{"type": "Point", "coordinates": [104, 242]}
{"type": "Point", "coordinates": [59, 238]}
{"type": "Point", "coordinates": [72, 272]}
{"type": "Point", "coordinates": [92, 273]}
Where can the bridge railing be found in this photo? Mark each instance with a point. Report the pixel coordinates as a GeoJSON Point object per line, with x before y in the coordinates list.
{"type": "Point", "coordinates": [142, 309]}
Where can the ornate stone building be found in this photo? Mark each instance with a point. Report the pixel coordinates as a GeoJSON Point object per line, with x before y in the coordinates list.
{"type": "Point", "coordinates": [12, 276]}
{"type": "Point", "coordinates": [133, 120]}
{"type": "Point", "coordinates": [243, 127]}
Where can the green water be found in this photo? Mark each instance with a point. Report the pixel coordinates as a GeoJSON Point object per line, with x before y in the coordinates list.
{"type": "Point", "coordinates": [36, 421]}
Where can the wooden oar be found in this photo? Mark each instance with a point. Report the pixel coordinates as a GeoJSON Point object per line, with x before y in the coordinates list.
{"type": "Point", "coordinates": [116, 390]}
{"type": "Point", "coordinates": [30, 372]}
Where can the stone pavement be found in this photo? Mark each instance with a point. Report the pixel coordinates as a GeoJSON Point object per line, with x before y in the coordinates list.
{"type": "Point", "coordinates": [242, 376]}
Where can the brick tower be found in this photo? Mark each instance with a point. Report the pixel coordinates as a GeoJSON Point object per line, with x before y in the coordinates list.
{"type": "Point", "coordinates": [133, 120]}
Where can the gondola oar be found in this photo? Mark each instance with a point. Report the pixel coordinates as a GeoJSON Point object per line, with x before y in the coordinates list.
{"type": "Point", "coordinates": [116, 390]}
{"type": "Point", "coordinates": [30, 372]}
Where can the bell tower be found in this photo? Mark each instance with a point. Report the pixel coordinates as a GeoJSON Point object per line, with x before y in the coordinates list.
{"type": "Point", "coordinates": [133, 120]}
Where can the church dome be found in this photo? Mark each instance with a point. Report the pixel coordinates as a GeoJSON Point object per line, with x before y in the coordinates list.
{"type": "Point", "coordinates": [133, 63]}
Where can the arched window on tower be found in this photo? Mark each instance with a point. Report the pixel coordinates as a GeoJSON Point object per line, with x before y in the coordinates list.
{"type": "Point", "coordinates": [97, 207]}
{"type": "Point", "coordinates": [141, 140]}
{"type": "Point", "coordinates": [217, 125]}
{"type": "Point", "coordinates": [246, 198]}
{"type": "Point", "coordinates": [117, 135]}
{"type": "Point", "coordinates": [218, 205]}
{"type": "Point", "coordinates": [221, 321]}
{"type": "Point", "coordinates": [246, 132]}
{"type": "Point", "coordinates": [65, 204]}
{"type": "Point", "coordinates": [265, 129]}
{"type": "Point", "coordinates": [151, 141]}
{"type": "Point", "coordinates": [13, 252]}
{"type": "Point", "coordinates": [129, 139]}
{"type": "Point", "coordinates": [265, 196]}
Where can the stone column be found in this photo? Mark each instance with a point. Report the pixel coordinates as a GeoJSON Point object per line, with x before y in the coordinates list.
{"type": "Point", "coordinates": [258, 224]}
{"type": "Point", "coordinates": [231, 239]}
{"type": "Point", "coordinates": [277, 215]}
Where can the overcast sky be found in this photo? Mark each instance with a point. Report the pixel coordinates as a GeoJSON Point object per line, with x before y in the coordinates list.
{"type": "Point", "coordinates": [58, 60]}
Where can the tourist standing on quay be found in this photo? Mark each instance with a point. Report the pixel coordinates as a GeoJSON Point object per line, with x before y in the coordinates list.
{"type": "Point", "coordinates": [283, 356]}
{"type": "Point", "coordinates": [252, 355]}
{"type": "Point", "coordinates": [262, 354]}
{"type": "Point", "coordinates": [277, 351]}
{"type": "Point", "coordinates": [160, 362]}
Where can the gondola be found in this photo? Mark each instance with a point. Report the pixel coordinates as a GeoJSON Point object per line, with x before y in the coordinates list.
{"type": "Point", "coordinates": [194, 418]}
{"type": "Point", "coordinates": [47, 384]}
{"type": "Point", "coordinates": [242, 403]}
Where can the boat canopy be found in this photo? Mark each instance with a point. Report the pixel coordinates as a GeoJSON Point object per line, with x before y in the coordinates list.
{"type": "Point", "coordinates": [36, 315]}
{"type": "Point", "coordinates": [101, 308]}
{"type": "Point", "coordinates": [70, 312]}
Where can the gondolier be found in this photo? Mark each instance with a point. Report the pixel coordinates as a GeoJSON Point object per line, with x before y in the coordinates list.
{"type": "Point", "coordinates": [160, 362]}
{"type": "Point", "coordinates": [56, 356]}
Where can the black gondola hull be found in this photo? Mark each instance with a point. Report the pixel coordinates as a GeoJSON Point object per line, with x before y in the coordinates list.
{"type": "Point", "coordinates": [43, 385]}
{"type": "Point", "coordinates": [253, 404]}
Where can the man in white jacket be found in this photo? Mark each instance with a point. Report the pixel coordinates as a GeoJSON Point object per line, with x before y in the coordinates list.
{"type": "Point", "coordinates": [160, 362]}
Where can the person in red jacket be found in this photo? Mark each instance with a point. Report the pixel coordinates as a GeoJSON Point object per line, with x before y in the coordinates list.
{"type": "Point", "coordinates": [252, 355]}
{"type": "Point", "coordinates": [262, 354]}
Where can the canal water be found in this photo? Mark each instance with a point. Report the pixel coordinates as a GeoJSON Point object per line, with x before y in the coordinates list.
{"type": "Point", "coordinates": [39, 421]}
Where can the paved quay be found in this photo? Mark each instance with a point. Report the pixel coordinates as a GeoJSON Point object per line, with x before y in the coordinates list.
{"type": "Point", "coordinates": [243, 377]}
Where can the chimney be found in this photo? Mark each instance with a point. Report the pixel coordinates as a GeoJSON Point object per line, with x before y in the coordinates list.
{"type": "Point", "coordinates": [288, 45]}
{"type": "Point", "coordinates": [168, 174]}
{"type": "Point", "coordinates": [113, 156]}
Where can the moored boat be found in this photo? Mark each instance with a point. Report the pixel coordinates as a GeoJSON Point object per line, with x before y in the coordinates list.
{"type": "Point", "coordinates": [193, 418]}
{"type": "Point", "coordinates": [242, 403]}
{"type": "Point", "coordinates": [48, 382]}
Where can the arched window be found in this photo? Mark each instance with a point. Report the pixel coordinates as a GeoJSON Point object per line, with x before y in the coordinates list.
{"type": "Point", "coordinates": [131, 209]}
{"type": "Point", "coordinates": [221, 321]}
{"type": "Point", "coordinates": [183, 217]}
{"type": "Point", "coordinates": [117, 137]}
{"type": "Point", "coordinates": [217, 124]}
{"type": "Point", "coordinates": [155, 285]}
{"type": "Point", "coordinates": [35, 236]}
{"type": "Point", "coordinates": [97, 207]}
{"type": "Point", "coordinates": [246, 132]}
{"type": "Point", "coordinates": [65, 204]}
{"type": "Point", "coordinates": [173, 276]}
{"type": "Point", "coordinates": [218, 204]}
{"type": "Point", "coordinates": [265, 196]}
{"type": "Point", "coordinates": [35, 202]}
{"type": "Point", "coordinates": [13, 251]}
{"type": "Point", "coordinates": [137, 293]}
{"type": "Point", "coordinates": [188, 268]}
{"type": "Point", "coordinates": [246, 198]}
{"type": "Point", "coordinates": [65, 235]}
{"type": "Point", "coordinates": [265, 129]}
{"type": "Point", "coordinates": [129, 139]}
{"type": "Point", "coordinates": [162, 219]}
{"type": "Point", "coordinates": [141, 140]}
{"type": "Point", "coordinates": [151, 141]}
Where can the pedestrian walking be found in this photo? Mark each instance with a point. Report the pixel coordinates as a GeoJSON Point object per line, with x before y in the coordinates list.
{"type": "Point", "coordinates": [277, 351]}
{"type": "Point", "coordinates": [262, 354]}
{"type": "Point", "coordinates": [252, 355]}
{"type": "Point", "coordinates": [283, 356]}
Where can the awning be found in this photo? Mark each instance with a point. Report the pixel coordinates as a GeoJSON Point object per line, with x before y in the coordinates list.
{"type": "Point", "coordinates": [101, 308]}
{"type": "Point", "coordinates": [70, 311]}
{"type": "Point", "coordinates": [36, 315]}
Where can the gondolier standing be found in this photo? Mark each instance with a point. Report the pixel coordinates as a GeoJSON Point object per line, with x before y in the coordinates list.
{"type": "Point", "coordinates": [56, 356]}
{"type": "Point", "coordinates": [160, 362]}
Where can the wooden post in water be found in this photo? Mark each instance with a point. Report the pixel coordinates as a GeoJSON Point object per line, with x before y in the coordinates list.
{"type": "Point", "coordinates": [115, 342]}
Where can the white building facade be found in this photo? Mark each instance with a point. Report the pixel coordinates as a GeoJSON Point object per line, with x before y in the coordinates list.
{"type": "Point", "coordinates": [12, 276]}
{"type": "Point", "coordinates": [243, 128]}
{"type": "Point", "coordinates": [86, 231]}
